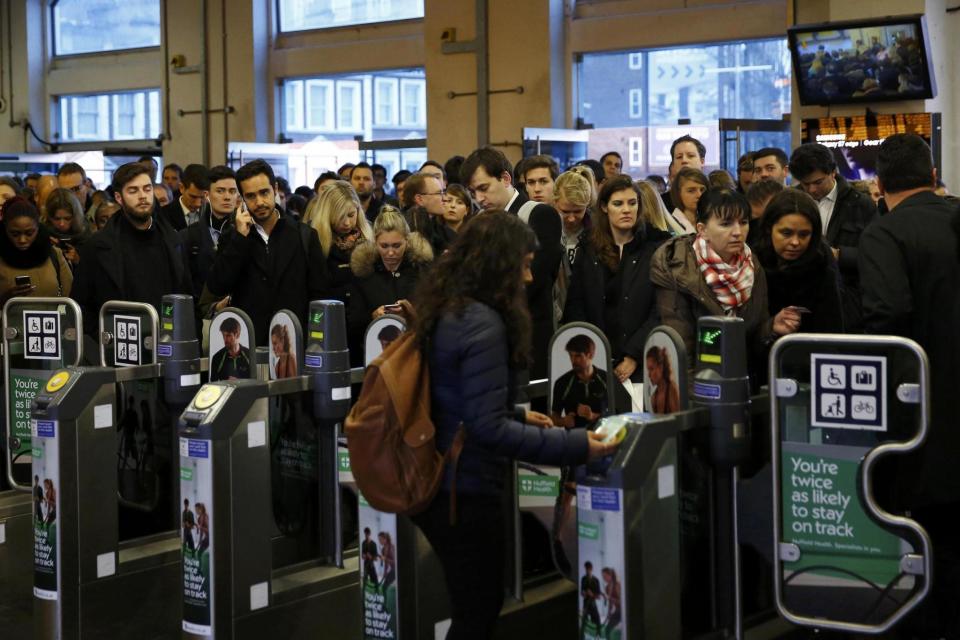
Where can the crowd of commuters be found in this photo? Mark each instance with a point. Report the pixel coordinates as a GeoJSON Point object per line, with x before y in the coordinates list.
{"type": "Point", "coordinates": [487, 260]}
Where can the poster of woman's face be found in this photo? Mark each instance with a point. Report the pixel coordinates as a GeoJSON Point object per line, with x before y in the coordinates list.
{"type": "Point", "coordinates": [661, 375]}
{"type": "Point", "coordinates": [380, 334]}
{"type": "Point", "coordinates": [284, 346]}
{"type": "Point", "coordinates": [579, 378]}
{"type": "Point", "coordinates": [230, 356]}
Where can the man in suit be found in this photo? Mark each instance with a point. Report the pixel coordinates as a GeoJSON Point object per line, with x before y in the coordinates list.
{"type": "Point", "coordinates": [844, 214]}
{"type": "Point", "coordinates": [185, 210]}
{"type": "Point", "coordinates": [489, 176]}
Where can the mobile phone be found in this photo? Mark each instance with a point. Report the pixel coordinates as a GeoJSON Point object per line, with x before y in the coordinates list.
{"type": "Point", "coordinates": [22, 280]}
{"type": "Point", "coordinates": [393, 308]}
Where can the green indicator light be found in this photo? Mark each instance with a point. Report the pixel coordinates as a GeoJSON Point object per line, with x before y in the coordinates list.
{"type": "Point", "coordinates": [168, 309]}
{"type": "Point", "coordinates": [317, 317]}
{"type": "Point", "coordinates": [709, 337]}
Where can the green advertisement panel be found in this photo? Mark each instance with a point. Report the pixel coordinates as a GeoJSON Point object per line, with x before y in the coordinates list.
{"type": "Point", "coordinates": [196, 526]}
{"type": "Point", "coordinates": [45, 489]}
{"type": "Point", "coordinates": [23, 386]}
{"type": "Point", "coordinates": [823, 516]}
{"type": "Point", "coordinates": [601, 574]}
{"type": "Point", "coordinates": [378, 572]}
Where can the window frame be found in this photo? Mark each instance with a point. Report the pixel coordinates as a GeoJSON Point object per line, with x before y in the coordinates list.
{"type": "Point", "coordinates": [635, 99]}
{"type": "Point", "coordinates": [421, 84]}
{"type": "Point", "coordinates": [635, 60]}
{"type": "Point", "coordinates": [330, 104]}
{"type": "Point", "coordinates": [300, 102]}
{"type": "Point", "coordinates": [281, 31]}
{"type": "Point", "coordinates": [394, 85]}
{"type": "Point", "coordinates": [107, 116]}
{"type": "Point", "coordinates": [53, 32]}
{"type": "Point", "coordinates": [357, 87]}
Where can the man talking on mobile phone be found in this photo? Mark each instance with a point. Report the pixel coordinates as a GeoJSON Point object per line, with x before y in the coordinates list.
{"type": "Point", "coordinates": [267, 261]}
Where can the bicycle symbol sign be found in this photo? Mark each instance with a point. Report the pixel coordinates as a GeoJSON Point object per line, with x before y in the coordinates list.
{"type": "Point", "coordinates": [848, 392]}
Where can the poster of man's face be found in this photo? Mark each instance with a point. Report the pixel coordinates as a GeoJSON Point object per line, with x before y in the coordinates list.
{"type": "Point", "coordinates": [380, 334]}
{"type": "Point", "coordinates": [579, 378]}
{"type": "Point", "coordinates": [230, 354]}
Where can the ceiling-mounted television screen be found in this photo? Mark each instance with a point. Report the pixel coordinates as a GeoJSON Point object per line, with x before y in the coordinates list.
{"type": "Point", "coordinates": [873, 60]}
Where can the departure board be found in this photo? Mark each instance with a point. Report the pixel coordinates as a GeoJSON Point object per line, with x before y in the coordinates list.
{"type": "Point", "coordinates": [855, 139]}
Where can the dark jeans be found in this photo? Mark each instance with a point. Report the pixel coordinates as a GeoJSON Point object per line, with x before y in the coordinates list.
{"type": "Point", "coordinates": [472, 554]}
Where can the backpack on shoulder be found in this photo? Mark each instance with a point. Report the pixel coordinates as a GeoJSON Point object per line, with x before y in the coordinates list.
{"type": "Point", "coordinates": [391, 436]}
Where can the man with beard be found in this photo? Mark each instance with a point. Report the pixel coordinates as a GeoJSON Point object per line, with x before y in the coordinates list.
{"type": "Point", "coordinates": [267, 261]}
{"type": "Point", "coordinates": [361, 178]}
{"type": "Point", "coordinates": [135, 257]}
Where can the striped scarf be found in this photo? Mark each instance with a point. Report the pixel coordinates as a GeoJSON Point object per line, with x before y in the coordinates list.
{"type": "Point", "coordinates": [731, 283]}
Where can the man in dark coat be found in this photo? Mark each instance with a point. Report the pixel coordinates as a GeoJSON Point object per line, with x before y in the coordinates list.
{"type": "Point", "coordinates": [268, 261]}
{"type": "Point", "coordinates": [844, 214]}
{"type": "Point", "coordinates": [489, 176]}
{"type": "Point", "coordinates": [185, 210]}
{"type": "Point", "coordinates": [200, 240]}
{"type": "Point", "coordinates": [135, 257]}
{"type": "Point", "coordinates": [910, 277]}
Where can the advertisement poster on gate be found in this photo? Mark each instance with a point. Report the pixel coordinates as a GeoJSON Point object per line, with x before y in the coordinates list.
{"type": "Point", "coordinates": [45, 490]}
{"type": "Point", "coordinates": [823, 516]}
{"type": "Point", "coordinates": [23, 385]}
{"type": "Point", "coordinates": [601, 575]}
{"type": "Point", "coordinates": [378, 572]}
{"type": "Point", "coordinates": [196, 534]}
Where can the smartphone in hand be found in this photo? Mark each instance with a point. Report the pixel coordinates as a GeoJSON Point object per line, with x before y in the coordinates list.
{"type": "Point", "coordinates": [22, 281]}
{"type": "Point", "coordinates": [393, 308]}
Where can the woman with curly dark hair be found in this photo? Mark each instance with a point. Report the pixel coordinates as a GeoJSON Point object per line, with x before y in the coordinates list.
{"type": "Point", "coordinates": [473, 324]}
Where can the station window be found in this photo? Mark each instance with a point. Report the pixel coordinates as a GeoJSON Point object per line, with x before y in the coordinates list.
{"type": "Point", "coordinates": [744, 79]}
{"type": "Point", "coordinates": [636, 152]}
{"type": "Point", "coordinates": [299, 15]}
{"type": "Point", "coordinates": [385, 105]}
{"type": "Point", "coordinates": [91, 26]}
{"type": "Point", "coordinates": [130, 115]}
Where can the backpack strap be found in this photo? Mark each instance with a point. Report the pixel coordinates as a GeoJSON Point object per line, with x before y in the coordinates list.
{"type": "Point", "coordinates": [526, 209]}
{"type": "Point", "coordinates": [453, 457]}
{"type": "Point", "coordinates": [55, 261]}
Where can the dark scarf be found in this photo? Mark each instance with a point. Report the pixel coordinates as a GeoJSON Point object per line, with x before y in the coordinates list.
{"type": "Point", "coordinates": [34, 256]}
{"type": "Point", "coordinates": [347, 242]}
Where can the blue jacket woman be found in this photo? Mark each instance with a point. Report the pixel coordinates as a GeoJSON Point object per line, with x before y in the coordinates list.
{"type": "Point", "coordinates": [473, 323]}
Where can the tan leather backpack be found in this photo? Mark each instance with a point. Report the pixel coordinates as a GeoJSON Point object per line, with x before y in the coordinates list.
{"type": "Point", "coordinates": [390, 433]}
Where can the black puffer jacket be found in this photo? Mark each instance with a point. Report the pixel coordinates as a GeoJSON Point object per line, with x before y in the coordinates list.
{"type": "Point", "coordinates": [374, 286]}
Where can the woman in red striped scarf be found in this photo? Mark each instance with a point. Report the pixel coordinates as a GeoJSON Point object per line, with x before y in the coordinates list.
{"type": "Point", "coordinates": [714, 273]}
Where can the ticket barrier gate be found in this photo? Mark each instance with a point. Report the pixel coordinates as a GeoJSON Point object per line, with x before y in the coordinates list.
{"type": "Point", "coordinates": [841, 407]}
{"type": "Point", "coordinates": [94, 574]}
{"type": "Point", "coordinates": [26, 368]}
{"type": "Point", "coordinates": [637, 576]}
{"type": "Point", "coordinates": [230, 584]}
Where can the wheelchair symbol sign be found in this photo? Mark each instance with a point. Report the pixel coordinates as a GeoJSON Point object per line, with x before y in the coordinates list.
{"type": "Point", "coordinates": [849, 392]}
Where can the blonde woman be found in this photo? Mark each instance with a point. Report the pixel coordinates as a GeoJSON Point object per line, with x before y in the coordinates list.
{"type": "Point", "coordinates": [338, 219]}
{"type": "Point", "coordinates": [587, 173]}
{"type": "Point", "coordinates": [385, 270]}
{"type": "Point", "coordinates": [573, 195]}
{"type": "Point", "coordinates": [652, 209]}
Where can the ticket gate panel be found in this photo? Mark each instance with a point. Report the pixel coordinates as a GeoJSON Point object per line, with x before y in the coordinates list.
{"type": "Point", "coordinates": [842, 407]}
{"type": "Point", "coordinates": [16, 563]}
